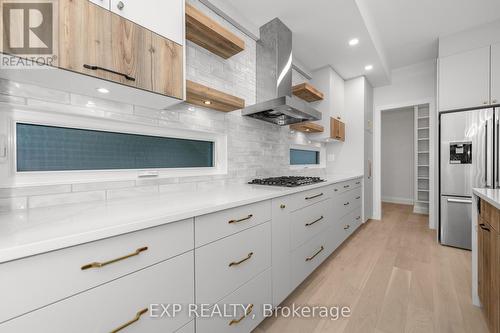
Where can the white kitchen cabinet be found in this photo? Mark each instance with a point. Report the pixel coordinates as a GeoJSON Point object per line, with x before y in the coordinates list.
{"type": "Point", "coordinates": [495, 74]}
{"type": "Point", "coordinates": [111, 305]}
{"type": "Point", "coordinates": [464, 80]}
{"type": "Point", "coordinates": [102, 3]}
{"type": "Point", "coordinates": [164, 17]}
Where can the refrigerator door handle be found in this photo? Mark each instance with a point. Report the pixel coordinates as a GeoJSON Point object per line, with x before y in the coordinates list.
{"type": "Point", "coordinates": [486, 154]}
{"type": "Point", "coordinates": [465, 201]}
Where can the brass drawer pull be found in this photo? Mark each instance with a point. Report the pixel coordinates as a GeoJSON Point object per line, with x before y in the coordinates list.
{"type": "Point", "coordinates": [314, 255]}
{"type": "Point", "coordinates": [95, 68]}
{"type": "Point", "coordinates": [137, 317]}
{"type": "Point", "coordinates": [317, 220]}
{"type": "Point", "coordinates": [359, 217]}
{"type": "Point", "coordinates": [357, 198]}
{"type": "Point", "coordinates": [241, 220]}
{"type": "Point", "coordinates": [102, 264]}
{"type": "Point", "coordinates": [247, 313]}
{"type": "Point", "coordinates": [347, 203]}
{"type": "Point", "coordinates": [357, 183]}
{"type": "Point", "coordinates": [314, 196]}
{"type": "Point", "coordinates": [347, 226]}
{"type": "Point", "coordinates": [347, 186]}
{"type": "Point", "coordinates": [235, 263]}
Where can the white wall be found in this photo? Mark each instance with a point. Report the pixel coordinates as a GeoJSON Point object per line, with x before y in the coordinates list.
{"type": "Point", "coordinates": [398, 156]}
{"type": "Point", "coordinates": [349, 155]}
{"type": "Point", "coordinates": [411, 85]}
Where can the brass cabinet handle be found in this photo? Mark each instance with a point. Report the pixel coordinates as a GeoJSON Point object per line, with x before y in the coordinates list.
{"type": "Point", "coordinates": [282, 206]}
{"type": "Point", "coordinates": [235, 263]}
{"type": "Point", "coordinates": [357, 218]}
{"type": "Point", "coordinates": [102, 264]}
{"type": "Point", "coordinates": [347, 186]}
{"type": "Point", "coordinates": [314, 196]}
{"type": "Point", "coordinates": [314, 255]}
{"type": "Point", "coordinates": [359, 197]}
{"type": "Point", "coordinates": [241, 220]}
{"type": "Point", "coordinates": [357, 183]}
{"type": "Point", "coordinates": [347, 203]}
{"type": "Point", "coordinates": [347, 226]}
{"type": "Point", "coordinates": [247, 313]}
{"type": "Point", "coordinates": [317, 220]}
{"type": "Point", "coordinates": [128, 323]}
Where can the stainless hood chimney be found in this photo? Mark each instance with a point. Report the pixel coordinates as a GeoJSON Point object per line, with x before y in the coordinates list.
{"type": "Point", "coordinates": [275, 102]}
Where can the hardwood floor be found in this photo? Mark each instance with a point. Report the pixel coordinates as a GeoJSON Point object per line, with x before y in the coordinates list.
{"type": "Point", "coordinates": [395, 277]}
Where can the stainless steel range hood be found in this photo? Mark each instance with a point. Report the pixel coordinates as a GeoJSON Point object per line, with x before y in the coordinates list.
{"type": "Point", "coordinates": [275, 102]}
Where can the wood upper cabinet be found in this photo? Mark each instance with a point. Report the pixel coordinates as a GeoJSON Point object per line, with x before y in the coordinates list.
{"type": "Point", "coordinates": [96, 42]}
{"type": "Point", "coordinates": [337, 129]}
{"type": "Point", "coordinates": [464, 80]}
{"type": "Point", "coordinates": [495, 74]}
{"type": "Point", "coordinates": [84, 38]}
{"type": "Point", "coordinates": [164, 17]}
{"type": "Point", "coordinates": [167, 71]}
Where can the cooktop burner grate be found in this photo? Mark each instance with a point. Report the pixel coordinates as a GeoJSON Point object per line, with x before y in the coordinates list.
{"type": "Point", "coordinates": [287, 181]}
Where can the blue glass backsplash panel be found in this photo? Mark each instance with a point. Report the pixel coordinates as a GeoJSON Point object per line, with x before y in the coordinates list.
{"type": "Point", "coordinates": [301, 157]}
{"type": "Point", "coordinates": [50, 148]}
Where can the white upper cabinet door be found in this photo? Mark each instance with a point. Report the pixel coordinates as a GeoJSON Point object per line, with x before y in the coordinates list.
{"type": "Point", "coordinates": [164, 17]}
{"type": "Point", "coordinates": [464, 80]}
{"type": "Point", "coordinates": [102, 3]}
{"type": "Point", "coordinates": [495, 74]}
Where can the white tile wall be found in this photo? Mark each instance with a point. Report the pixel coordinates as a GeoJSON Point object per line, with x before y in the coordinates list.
{"type": "Point", "coordinates": [255, 148]}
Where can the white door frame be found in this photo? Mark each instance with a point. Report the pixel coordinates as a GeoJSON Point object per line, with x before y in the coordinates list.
{"type": "Point", "coordinates": [377, 163]}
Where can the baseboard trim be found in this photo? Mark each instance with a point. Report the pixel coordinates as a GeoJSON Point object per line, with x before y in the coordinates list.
{"type": "Point", "coordinates": [396, 200]}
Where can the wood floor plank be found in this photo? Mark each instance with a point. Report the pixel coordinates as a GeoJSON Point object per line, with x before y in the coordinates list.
{"type": "Point", "coordinates": [395, 277]}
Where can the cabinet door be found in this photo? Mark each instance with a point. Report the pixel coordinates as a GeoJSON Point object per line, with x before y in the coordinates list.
{"type": "Point", "coordinates": [102, 3]}
{"type": "Point", "coordinates": [495, 74]}
{"type": "Point", "coordinates": [84, 38]}
{"type": "Point", "coordinates": [167, 67]}
{"type": "Point", "coordinates": [464, 80]}
{"type": "Point", "coordinates": [131, 53]}
{"type": "Point", "coordinates": [164, 17]}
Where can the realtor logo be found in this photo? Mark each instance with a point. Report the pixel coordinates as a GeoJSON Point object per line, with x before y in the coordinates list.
{"type": "Point", "coordinates": [29, 29]}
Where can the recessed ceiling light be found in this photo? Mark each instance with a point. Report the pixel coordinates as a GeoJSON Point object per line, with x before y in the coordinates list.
{"type": "Point", "coordinates": [368, 67]}
{"type": "Point", "coordinates": [102, 90]}
{"type": "Point", "coordinates": [207, 102]}
{"type": "Point", "coordinates": [354, 42]}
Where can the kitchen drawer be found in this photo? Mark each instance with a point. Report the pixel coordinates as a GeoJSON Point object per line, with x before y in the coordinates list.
{"type": "Point", "coordinates": [347, 185]}
{"type": "Point", "coordinates": [306, 198]}
{"type": "Point", "coordinates": [352, 221]}
{"type": "Point", "coordinates": [30, 283]}
{"type": "Point", "coordinates": [348, 201]}
{"type": "Point", "coordinates": [107, 307]}
{"type": "Point", "coordinates": [222, 266]}
{"type": "Point", "coordinates": [310, 221]}
{"type": "Point", "coordinates": [490, 214]}
{"type": "Point", "coordinates": [306, 258]}
{"type": "Point", "coordinates": [211, 227]}
{"type": "Point", "coordinates": [256, 292]}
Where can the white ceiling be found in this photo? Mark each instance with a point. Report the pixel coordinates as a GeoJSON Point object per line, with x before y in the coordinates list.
{"type": "Point", "coordinates": [392, 33]}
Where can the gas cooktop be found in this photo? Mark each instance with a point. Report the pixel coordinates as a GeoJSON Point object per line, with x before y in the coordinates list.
{"type": "Point", "coordinates": [287, 181]}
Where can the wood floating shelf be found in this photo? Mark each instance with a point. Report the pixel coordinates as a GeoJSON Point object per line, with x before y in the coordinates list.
{"type": "Point", "coordinates": [307, 92]}
{"type": "Point", "coordinates": [201, 95]}
{"type": "Point", "coordinates": [337, 129]}
{"type": "Point", "coordinates": [202, 30]}
{"type": "Point", "coordinates": [307, 127]}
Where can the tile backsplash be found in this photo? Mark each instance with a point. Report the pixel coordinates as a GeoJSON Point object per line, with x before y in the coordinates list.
{"type": "Point", "coordinates": [255, 148]}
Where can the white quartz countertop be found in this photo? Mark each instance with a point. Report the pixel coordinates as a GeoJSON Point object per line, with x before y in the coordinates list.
{"type": "Point", "coordinates": [492, 196]}
{"type": "Point", "coordinates": [29, 232]}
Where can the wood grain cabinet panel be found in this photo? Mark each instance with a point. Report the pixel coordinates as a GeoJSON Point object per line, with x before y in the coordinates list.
{"type": "Point", "coordinates": [131, 53]}
{"type": "Point", "coordinates": [167, 69]}
{"type": "Point", "coordinates": [337, 129]}
{"type": "Point", "coordinates": [84, 37]}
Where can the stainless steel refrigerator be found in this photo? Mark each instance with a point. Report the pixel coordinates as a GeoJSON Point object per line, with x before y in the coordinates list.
{"type": "Point", "coordinates": [468, 159]}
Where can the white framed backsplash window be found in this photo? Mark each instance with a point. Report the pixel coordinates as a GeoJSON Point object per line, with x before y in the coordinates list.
{"type": "Point", "coordinates": [307, 156]}
{"type": "Point", "coordinates": [207, 150]}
